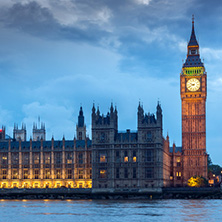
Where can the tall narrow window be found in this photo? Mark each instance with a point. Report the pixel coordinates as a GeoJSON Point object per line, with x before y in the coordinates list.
{"type": "Point", "coordinates": [102, 174]}
{"type": "Point", "coordinates": [125, 173]}
{"type": "Point", "coordinates": [4, 174]}
{"type": "Point", "coordinates": [58, 174]}
{"type": "Point", "coordinates": [134, 156]}
{"type": "Point", "coordinates": [80, 174]}
{"type": "Point", "coordinates": [134, 173]}
{"type": "Point", "coordinates": [80, 157]}
{"type": "Point", "coordinates": [149, 155]}
{"type": "Point", "coordinates": [149, 172]}
{"type": "Point", "coordinates": [25, 174]}
{"type": "Point", "coordinates": [36, 174]}
{"type": "Point", "coordinates": [117, 173]}
{"type": "Point", "coordinates": [102, 158]}
{"type": "Point", "coordinates": [69, 172]}
{"type": "Point", "coordinates": [126, 158]}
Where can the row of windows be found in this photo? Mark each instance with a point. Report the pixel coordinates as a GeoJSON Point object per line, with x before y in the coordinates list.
{"type": "Point", "coordinates": [149, 173]}
{"type": "Point", "coordinates": [149, 156]}
{"type": "Point", "coordinates": [69, 157]}
{"type": "Point", "coordinates": [46, 174]}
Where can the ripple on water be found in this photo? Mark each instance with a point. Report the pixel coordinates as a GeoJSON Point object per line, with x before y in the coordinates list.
{"type": "Point", "coordinates": [110, 210]}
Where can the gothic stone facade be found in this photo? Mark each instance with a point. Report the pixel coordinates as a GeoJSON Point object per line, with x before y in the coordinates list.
{"type": "Point", "coordinates": [45, 164]}
{"type": "Point", "coordinates": [129, 160]}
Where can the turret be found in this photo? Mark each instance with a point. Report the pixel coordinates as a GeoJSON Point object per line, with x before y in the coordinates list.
{"type": "Point", "coordinates": [147, 123]}
{"type": "Point", "coordinates": [39, 133]}
{"type": "Point", "coordinates": [19, 134]}
{"type": "Point", "coordinates": [108, 123]}
{"type": "Point", "coordinates": [159, 115]}
{"type": "Point", "coordinates": [81, 127]}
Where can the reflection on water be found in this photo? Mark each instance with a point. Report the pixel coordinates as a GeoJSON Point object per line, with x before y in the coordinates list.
{"type": "Point", "coordinates": [110, 210]}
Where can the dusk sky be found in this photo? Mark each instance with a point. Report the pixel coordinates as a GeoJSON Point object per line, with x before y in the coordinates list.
{"type": "Point", "coordinates": [56, 55]}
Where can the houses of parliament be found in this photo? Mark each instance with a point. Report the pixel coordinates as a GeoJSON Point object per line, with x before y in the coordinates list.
{"type": "Point", "coordinates": [112, 160]}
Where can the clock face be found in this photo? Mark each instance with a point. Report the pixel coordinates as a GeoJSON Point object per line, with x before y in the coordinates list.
{"type": "Point", "coordinates": [193, 84]}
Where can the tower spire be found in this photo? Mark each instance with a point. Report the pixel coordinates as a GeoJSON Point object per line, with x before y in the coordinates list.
{"type": "Point", "coordinates": [193, 40]}
{"type": "Point", "coordinates": [193, 56]}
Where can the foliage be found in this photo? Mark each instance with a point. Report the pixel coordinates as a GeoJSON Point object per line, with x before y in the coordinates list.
{"type": "Point", "coordinates": [213, 168]}
{"type": "Point", "coordinates": [197, 181]}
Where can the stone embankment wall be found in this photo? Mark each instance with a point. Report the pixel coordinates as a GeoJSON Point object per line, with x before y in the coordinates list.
{"type": "Point", "coordinates": [72, 194]}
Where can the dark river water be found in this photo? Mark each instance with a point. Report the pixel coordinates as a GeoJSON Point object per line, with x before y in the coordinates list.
{"type": "Point", "coordinates": [110, 210]}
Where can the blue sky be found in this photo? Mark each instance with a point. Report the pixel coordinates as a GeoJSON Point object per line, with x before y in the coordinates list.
{"type": "Point", "coordinates": [57, 55]}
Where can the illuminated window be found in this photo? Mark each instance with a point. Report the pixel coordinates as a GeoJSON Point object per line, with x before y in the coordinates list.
{"type": "Point", "coordinates": [15, 174]}
{"type": "Point", "coordinates": [15, 158]}
{"type": "Point", "coordinates": [102, 158]}
{"type": "Point", "coordinates": [178, 162]}
{"type": "Point", "coordinates": [58, 174]}
{"type": "Point", "coordinates": [36, 185]}
{"type": "Point", "coordinates": [4, 159]}
{"type": "Point", "coordinates": [134, 156]}
{"type": "Point", "coordinates": [36, 158]}
{"type": "Point", "coordinates": [178, 174]}
{"type": "Point", "coordinates": [102, 174]}
{"type": "Point", "coordinates": [80, 174]}
{"type": "Point", "coordinates": [69, 172]}
{"type": "Point", "coordinates": [25, 174]}
{"type": "Point", "coordinates": [47, 174]}
{"type": "Point", "coordinates": [47, 158]}
{"type": "Point", "coordinates": [171, 177]}
{"type": "Point", "coordinates": [126, 159]}
{"type": "Point", "coordinates": [69, 161]}
{"type": "Point", "coordinates": [69, 157]}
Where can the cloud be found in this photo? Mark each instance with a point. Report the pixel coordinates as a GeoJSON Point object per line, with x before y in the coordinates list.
{"type": "Point", "coordinates": [58, 119]}
{"type": "Point", "coordinates": [212, 54]}
{"type": "Point", "coordinates": [143, 2]}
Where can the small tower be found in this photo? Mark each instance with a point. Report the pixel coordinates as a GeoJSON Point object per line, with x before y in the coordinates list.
{"type": "Point", "coordinates": [2, 133]}
{"type": "Point", "coordinates": [104, 127]}
{"type": "Point", "coordinates": [38, 133]}
{"type": "Point", "coordinates": [19, 134]}
{"type": "Point", "coordinates": [81, 127]}
{"type": "Point", "coordinates": [159, 114]}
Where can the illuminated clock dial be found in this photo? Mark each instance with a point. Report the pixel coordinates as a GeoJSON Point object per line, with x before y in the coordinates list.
{"type": "Point", "coordinates": [193, 84]}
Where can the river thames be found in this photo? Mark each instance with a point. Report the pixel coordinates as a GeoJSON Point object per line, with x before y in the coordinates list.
{"type": "Point", "coordinates": [110, 210]}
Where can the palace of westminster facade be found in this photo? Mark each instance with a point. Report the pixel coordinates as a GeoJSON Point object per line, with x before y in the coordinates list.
{"type": "Point", "coordinates": [111, 160]}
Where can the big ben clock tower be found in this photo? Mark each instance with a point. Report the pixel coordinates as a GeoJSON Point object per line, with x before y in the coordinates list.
{"type": "Point", "coordinates": [193, 90]}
